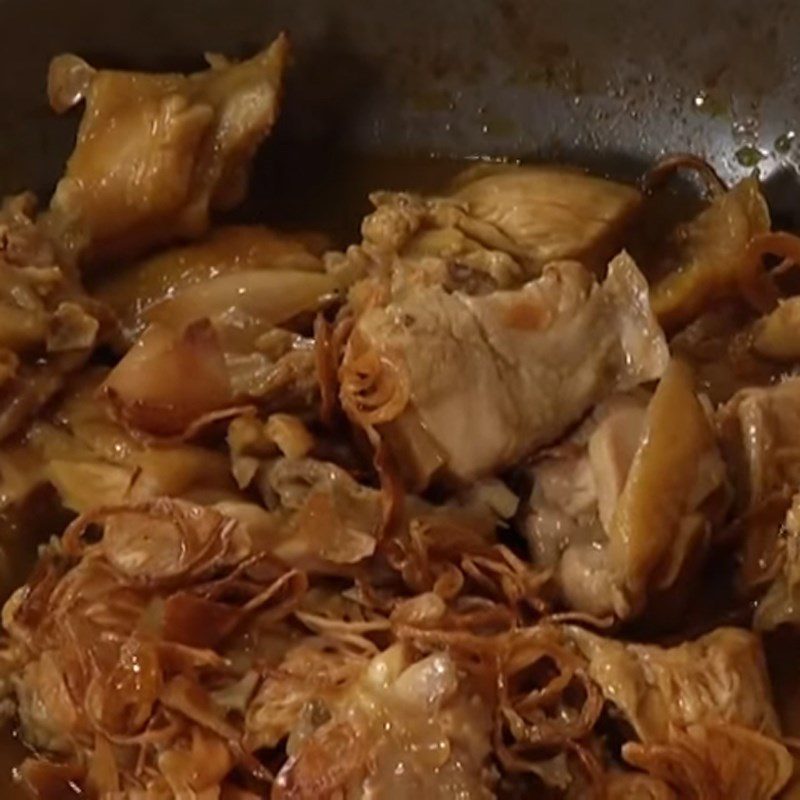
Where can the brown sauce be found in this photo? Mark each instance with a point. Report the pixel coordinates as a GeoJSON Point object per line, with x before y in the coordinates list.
{"type": "Point", "coordinates": [297, 186]}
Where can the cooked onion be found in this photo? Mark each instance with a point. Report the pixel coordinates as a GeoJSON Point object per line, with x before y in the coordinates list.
{"type": "Point", "coordinates": [244, 305]}
{"type": "Point", "coordinates": [166, 381]}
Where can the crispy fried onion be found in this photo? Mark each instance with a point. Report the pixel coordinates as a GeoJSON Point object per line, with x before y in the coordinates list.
{"type": "Point", "coordinates": [311, 675]}
{"type": "Point", "coordinates": [127, 632]}
{"type": "Point", "coordinates": [451, 555]}
{"type": "Point", "coordinates": [374, 389]}
{"type": "Point", "coordinates": [545, 705]}
{"type": "Point", "coordinates": [329, 343]}
{"type": "Point", "coordinates": [715, 761]}
{"type": "Point", "coordinates": [546, 701]}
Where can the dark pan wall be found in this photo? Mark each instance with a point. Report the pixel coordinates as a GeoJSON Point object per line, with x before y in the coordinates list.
{"type": "Point", "coordinates": [608, 83]}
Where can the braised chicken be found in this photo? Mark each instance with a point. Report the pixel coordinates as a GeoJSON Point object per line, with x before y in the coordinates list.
{"type": "Point", "coordinates": [476, 507]}
{"type": "Point", "coordinates": [623, 509]}
{"type": "Point", "coordinates": [516, 360]}
{"type": "Point", "coordinates": [49, 325]}
{"type": "Point", "coordinates": [551, 214]}
{"type": "Point", "coordinates": [156, 154]}
{"type": "Point", "coordinates": [706, 701]}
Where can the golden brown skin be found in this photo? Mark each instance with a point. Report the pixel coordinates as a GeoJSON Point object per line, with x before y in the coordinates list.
{"type": "Point", "coordinates": [156, 154]}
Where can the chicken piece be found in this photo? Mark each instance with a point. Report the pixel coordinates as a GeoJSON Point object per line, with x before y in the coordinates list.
{"type": "Point", "coordinates": [156, 154]}
{"type": "Point", "coordinates": [405, 730]}
{"type": "Point", "coordinates": [781, 603]}
{"type": "Point", "coordinates": [550, 213]}
{"type": "Point", "coordinates": [576, 486]}
{"type": "Point", "coordinates": [244, 306]}
{"type": "Point", "coordinates": [48, 325]}
{"type": "Point", "coordinates": [612, 447]}
{"type": "Point", "coordinates": [410, 240]}
{"type": "Point", "coordinates": [428, 367]}
{"type": "Point", "coordinates": [499, 228]}
{"type": "Point", "coordinates": [332, 518]}
{"type": "Point", "coordinates": [702, 712]}
{"type": "Point", "coordinates": [166, 384]}
{"type": "Point", "coordinates": [591, 516]}
{"type": "Point", "coordinates": [174, 384]}
{"type": "Point", "coordinates": [758, 430]}
{"type": "Point", "coordinates": [719, 678]}
{"type": "Point", "coordinates": [132, 291]}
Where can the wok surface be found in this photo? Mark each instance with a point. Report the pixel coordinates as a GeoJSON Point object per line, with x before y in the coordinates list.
{"type": "Point", "coordinates": [607, 83]}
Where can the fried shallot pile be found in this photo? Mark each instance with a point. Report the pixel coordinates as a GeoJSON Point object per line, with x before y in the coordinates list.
{"type": "Point", "coordinates": [502, 501]}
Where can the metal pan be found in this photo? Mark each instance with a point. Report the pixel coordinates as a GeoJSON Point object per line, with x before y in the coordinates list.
{"type": "Point", "coordinates": [609, 83]}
